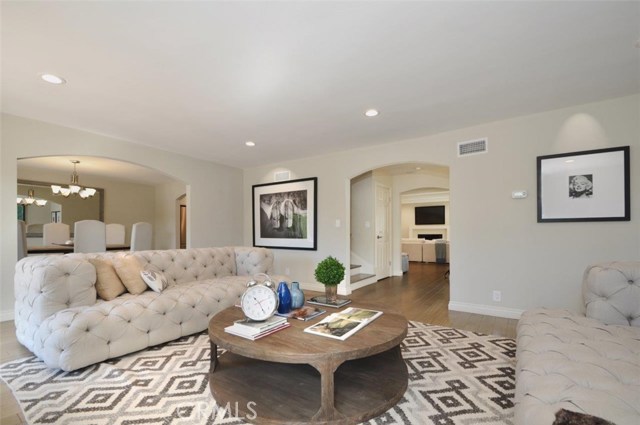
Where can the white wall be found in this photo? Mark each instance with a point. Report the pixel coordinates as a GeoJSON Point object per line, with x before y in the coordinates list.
{"type": "Point", "coordinates": [167, 214]}
{"type": "Point", "coordinates": [497, 243]}
{"type": "Point", "coordinates": [363, 221]}
{"type": "Point", "coordinates": [214, 190]}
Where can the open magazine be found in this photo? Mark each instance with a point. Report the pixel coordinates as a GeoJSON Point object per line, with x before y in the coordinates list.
{"type": "Point", "coordinates": [345, 323]}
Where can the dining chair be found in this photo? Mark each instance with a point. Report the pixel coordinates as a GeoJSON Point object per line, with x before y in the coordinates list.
{"type": "Point", "coordinates": [89, 236]}
{"type": "Point", "coordinates": [55, 233]}
{"type": "Point", "coordinates": [115, 234]}
{"type": "Point", "coordinates": [22, 239]}
{"type": "Point", "coordinates": [141, 234]}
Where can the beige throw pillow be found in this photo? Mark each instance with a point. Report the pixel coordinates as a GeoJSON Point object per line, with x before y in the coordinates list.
{"type": "Point", "coordinates": [108, 284]}
{"type": "Point", "coordinates": [128, 269]}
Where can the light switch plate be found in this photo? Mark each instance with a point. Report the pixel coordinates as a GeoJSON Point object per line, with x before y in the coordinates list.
{"type": "Point", "coordinates": [519, 194]}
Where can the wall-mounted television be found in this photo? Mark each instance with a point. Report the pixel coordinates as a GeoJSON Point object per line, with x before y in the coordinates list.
{"type": "Point", "coordinates": [430, 215]}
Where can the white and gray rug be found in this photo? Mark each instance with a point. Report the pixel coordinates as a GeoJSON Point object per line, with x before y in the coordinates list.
{"type": "Point", "coordinates": [455, 377]}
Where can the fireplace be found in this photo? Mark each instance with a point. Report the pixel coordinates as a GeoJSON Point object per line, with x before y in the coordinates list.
{"type": "Point", "coordinates": [430, 236]}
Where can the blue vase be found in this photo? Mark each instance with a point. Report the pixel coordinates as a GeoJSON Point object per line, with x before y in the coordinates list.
{"type": "Point", "coordinates": [297, 296]}
{"type": "Point", "coordinates": [284, 298]}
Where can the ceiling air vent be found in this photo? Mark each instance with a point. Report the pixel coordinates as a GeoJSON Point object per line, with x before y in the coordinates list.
{"type": "Point", "coordinates": [473, 147]}
{"type": "Point", "coordinates": [279, 176]}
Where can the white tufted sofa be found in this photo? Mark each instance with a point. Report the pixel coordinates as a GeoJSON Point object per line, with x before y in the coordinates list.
{"type": "Point", "coordinates": [422, 250]}
{"type": "Point", "coordinates": [587, 364]}
{"type": "Point", "coordinates": [60, 319]}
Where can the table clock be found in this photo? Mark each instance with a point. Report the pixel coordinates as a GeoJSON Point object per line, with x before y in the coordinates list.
{"type": "Point", "coordinates": [259, 301]}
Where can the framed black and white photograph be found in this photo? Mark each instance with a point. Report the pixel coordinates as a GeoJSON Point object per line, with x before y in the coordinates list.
{"type": "Point", "coordinates": [285, 214]}
{"type": "Point", "coordinates": [584, 186]}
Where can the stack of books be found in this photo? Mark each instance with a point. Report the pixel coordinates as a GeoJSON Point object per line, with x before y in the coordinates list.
{"type": "Point", "coordinates": [322, 300]}
{"type": "Point", "coordinates": [252, 330]}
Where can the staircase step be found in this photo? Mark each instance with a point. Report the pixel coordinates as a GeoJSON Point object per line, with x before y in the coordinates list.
{"type": "Point", "coordinates": [360, 276]}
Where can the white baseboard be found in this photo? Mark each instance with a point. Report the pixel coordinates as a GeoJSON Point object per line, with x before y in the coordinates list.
{"type": "Point", "coordinates": [6, 316]}
{"type": "Point", "coordinates": [487, 310]}
{"type": "Point", "coordinates": [363, 283]}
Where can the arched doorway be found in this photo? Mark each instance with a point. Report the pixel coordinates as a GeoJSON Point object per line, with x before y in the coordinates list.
{"type": "Point", "coordinates": [127, 193]}
{"type": "Point", "coordinates": [413, 182]}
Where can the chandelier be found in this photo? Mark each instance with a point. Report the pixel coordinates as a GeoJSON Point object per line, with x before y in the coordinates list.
{"type": "Point", "coordinates": [30, 199]}
{"type": "Point", "coordinates": [74, 188]}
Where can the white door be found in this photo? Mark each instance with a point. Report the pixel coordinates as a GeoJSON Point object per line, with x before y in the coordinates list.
{"type": "Point", "coordinates": [383, 231]}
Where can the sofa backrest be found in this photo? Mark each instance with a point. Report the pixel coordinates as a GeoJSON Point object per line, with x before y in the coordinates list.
{"type": "Point", "coordinates": [611, 292]}
{"type": "Point", "coordinates": [250, 261]}
{"type": "Point", "coordinates": [187, 265]}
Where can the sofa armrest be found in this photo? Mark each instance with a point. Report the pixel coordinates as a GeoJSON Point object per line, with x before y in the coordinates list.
{"type": "Point", "coordinates": [611, 292]}
{"type": "Point", "coordinates": [47, 284]}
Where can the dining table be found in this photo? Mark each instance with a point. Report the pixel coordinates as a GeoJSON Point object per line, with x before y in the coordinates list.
{"type": "Point", "coordinates": [66, 248]}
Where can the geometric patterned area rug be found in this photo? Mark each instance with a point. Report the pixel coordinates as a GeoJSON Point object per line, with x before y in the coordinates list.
{"type": "Point", "coordinates": [455, 377]}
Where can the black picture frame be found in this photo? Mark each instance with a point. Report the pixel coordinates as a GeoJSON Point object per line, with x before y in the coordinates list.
{"type": "Point", "coordinates": [591, 185]}
{"type": "Point", "coordinates": [285, 214]}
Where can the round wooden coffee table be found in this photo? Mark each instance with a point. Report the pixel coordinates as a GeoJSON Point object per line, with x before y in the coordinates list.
{"type": "Point", "coordinates": [293, 377]}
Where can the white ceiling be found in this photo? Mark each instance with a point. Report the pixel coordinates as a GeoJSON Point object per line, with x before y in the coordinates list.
{"type": "Point", "coordinates": [201, 78]}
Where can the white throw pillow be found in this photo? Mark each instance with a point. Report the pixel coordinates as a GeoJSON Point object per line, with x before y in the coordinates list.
{"type": "Point", "coordinates": [154, 280]}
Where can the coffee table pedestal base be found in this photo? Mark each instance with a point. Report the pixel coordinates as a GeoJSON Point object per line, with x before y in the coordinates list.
{"type": "Point", "coordinates": [272, 393]}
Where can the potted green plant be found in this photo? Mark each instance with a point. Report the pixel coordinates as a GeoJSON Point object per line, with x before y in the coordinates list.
{"type": "Point", "coordinates": [330, 273]}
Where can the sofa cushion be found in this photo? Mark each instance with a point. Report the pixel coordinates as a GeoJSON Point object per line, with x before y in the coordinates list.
{"type": "Point", "coordinates": [128, 269]}
{"type": "Point", "coordinates": [569, 361]}
{"type": "Point", "coordinates": [74, 338]}
{"type": "Point", "coordinates": [108, 284]}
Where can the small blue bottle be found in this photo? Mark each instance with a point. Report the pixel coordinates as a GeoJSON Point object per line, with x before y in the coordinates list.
{"type": "Point", "coordinates": [284, 298]}
{"type": "Point", "coordinates": [297, 296]}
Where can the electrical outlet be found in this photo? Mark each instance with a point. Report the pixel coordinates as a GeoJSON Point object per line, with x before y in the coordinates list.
{"type": "Point", "coordinates": [287, 271]}
{"type": "Point", "coordinates": [497, 296]}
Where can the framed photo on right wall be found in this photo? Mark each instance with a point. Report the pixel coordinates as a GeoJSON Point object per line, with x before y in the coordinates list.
{"type": "Point", "coordinates": [584, 186]}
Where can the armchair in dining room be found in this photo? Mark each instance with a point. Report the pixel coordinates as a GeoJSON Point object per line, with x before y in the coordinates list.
{"type": "Point", "coordinates": [141, 235]}
{"type": "Point", "coordinates": [55, 233]}
{"type": "Point", "coordinates": [115, 234]}
{"type": "Point", "coordinates": [89, 236]}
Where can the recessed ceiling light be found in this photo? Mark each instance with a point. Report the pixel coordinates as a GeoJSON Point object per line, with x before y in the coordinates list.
{"type": "Point", "coordinates": [53, 79]}
{"type": "Point", "coordinates": [569, 161]}
{"type": "Point", "coordinates": [371, 112]}
{"type": "Point", "coordinates": [249, 143]}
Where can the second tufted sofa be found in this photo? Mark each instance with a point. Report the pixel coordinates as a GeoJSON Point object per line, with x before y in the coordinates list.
{"type": "Point", "coordinates": [587, 364]}
{"type": "Point", "coordinates": [61, 320]}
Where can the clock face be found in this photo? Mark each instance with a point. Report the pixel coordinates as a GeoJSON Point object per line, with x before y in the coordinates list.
{"type": "Point", "coordinates": [259, 302]}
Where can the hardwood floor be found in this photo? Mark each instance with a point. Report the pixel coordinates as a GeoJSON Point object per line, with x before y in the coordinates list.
{"type": "Point", "coordinates": [422, 295]}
